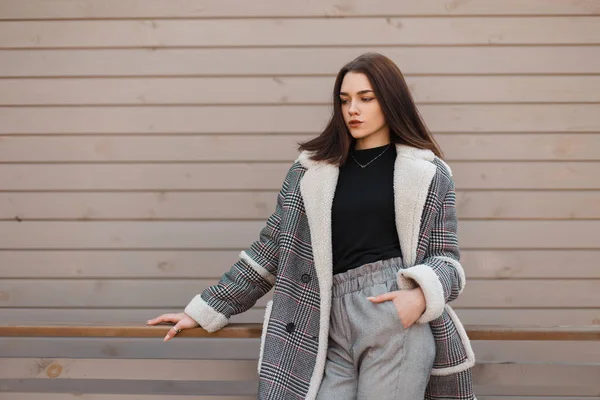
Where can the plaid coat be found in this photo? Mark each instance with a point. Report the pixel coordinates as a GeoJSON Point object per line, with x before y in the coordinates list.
{"type": "Point", "coordinates": [293, 254]}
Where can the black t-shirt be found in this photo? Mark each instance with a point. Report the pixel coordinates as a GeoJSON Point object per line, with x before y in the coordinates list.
{"type": "Point", "coordinates": [363, 218]}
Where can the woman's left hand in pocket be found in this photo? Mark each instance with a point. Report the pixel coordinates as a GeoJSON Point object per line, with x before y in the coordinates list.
{"type": "Point", "coordinates": [410, 304]}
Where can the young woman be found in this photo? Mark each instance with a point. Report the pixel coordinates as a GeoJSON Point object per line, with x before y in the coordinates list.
{"type": "Point", "coordinates": [362, 252]}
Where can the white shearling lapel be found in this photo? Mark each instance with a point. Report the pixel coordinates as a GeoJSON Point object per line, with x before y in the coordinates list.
{"type": "Point", "coordinates": [318, 189]}
{"type": "Point", "coordinates": [413, 173]}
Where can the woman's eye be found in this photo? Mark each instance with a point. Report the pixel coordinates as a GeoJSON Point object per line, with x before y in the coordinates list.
{"type": "Point", "coordinates": [367, 99]}
{"type": "Point", "coordinates": [344, 101]}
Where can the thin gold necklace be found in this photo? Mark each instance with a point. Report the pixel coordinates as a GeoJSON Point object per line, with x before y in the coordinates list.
{"type": "Point", "coordinates": [364, 166]}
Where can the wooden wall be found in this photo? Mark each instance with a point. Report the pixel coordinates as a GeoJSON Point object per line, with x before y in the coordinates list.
{"type": "Point", "coordinates": [142, 144]}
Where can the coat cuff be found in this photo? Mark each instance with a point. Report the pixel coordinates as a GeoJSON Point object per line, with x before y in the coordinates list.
{"type": "Point", "coordinates": [423, 276]}
{"type": "Point", "coordinates": [205, 315]}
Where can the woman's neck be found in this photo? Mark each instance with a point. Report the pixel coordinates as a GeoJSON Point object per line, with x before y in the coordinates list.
{"type": "Point", "coordinates": [364, 144]}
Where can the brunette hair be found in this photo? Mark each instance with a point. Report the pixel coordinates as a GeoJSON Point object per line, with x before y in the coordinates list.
{"type": "Point", "coordinates": [405, 123]}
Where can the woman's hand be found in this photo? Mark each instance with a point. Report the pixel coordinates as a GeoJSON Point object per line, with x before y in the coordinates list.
{"type": "Point", "coordinates": [410, 304]}
{"type": "Point", "coordinates": [182, 321]}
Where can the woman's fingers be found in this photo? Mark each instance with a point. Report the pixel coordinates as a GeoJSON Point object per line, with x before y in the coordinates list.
{"type": "Point", "coordinates": [383, 297]}
{"type": "Point", "coordinates": [164, 318]}
{"type": "Point", "coordinates": [171, 333]}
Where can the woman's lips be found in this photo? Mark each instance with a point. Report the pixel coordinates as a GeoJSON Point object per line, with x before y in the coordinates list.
{"type": "Point", "coordinates": [355, 124]}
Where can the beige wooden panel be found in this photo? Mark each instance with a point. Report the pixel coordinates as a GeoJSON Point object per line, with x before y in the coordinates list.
{"type": "Point", "coordinates": [528, 176]}
{"type": "Point", "coordinates": [287, 119]}
{"type": "Point", "coordinates": [522, 379]}
{"type": "Point", "coordinates": [526, 205]}
{"type": "Point", "coordinates": [485, 316]}
{"type": "Point", "coordinates": [501, 264]}
{"type": "Point", "coordinates": [505, 264]}
{"type": "Point", "coordinates": [41, 9]}
{"type": "Point", "coordinates": [521, 351]}
{"type": "Point", "coordinates": [532, 379]}
{"type": "Point", "coordinates": [299, 32]}
{"type": "Point", "coordinates": [552, 205]}
{"type": "Point", "coordinates": [456, 146]}
{"type": "Point", "coordinates": [163, 235]}
{"type": "Point", "coordinates": [286, 90]}
{"type": "Point", "coordinates": [207, 370]}
{"type": "Point", "coordinates": [524, 351]}
{"type": "Point", "coordinates": [75, 316]}
{"type": "Point", "coordinates": [132, 293]}
{"type": "Point", "coordinates": [138, 206]}
{"type": "Point", "coordinates": [169, 148]}
{"type": "Point", "coordinates": [297, 61]}
{"type": "Point", "coordinates": [143, 177]}
{"type": "Point", "coordinates": [172, 370]}
{"type": "Point", "coordinates": [530, 293]}
{"type": "Point", "coordinates": [261, 176]}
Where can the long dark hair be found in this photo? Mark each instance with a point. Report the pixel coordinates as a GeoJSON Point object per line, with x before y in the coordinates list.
{"type": "Point", "coordinates": [404, 121]}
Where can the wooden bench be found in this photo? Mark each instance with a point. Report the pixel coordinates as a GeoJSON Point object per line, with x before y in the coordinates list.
{"type": "Point", "coordinates": [104, 361]}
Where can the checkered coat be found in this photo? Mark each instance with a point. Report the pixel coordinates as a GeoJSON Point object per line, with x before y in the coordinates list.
{"type": "Point", "coordinates": [293, 254]}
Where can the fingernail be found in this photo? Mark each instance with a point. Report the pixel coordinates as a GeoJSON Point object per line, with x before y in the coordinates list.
{"type": "Point", "coordinates": [370, 298]}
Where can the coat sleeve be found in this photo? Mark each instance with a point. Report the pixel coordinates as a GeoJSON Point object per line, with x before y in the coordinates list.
{"type": "Point", "coordinates": [440, 275]}
{"type": "Point", "coordinates": [250, 278]}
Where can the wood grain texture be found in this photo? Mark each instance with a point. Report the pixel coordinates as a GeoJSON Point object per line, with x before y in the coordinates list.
{"type": "Point", "coordinates": [89, 9]}
{"type": "Point", "coordinates": [214, 235]}
{"type": "Point", "coordinates": [516, 351]}
{"type": "Point", "coordinates": [276, 119]}
{"type": "Point", "coordinates": [237, 331]}
{"type": "Point", "coordinates": [546, 316]}
{"type": "Point", "coordinates": [176, 293]}
{"type": "Point", "coordinates": [296, 61]}
{"type": "Point", "coordinates": [290, 90]}
{"type": "Point", "coordinates": [299, 32]}
{"type": "Point", "coordinates": [468, 175]}
{"type": "Point", "coordinates": [258, 205]}
{"type": "Point", "coordinates": [283, 148]}
{"type": "Point", "coordinates": [211, 264]}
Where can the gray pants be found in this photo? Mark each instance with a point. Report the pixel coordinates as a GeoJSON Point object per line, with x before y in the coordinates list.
{"type": "Point", "coordinates": [370, 354]}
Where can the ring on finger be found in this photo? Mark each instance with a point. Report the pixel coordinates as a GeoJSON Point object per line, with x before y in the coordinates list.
{"type": "Point", "coordinates": [177, 331]}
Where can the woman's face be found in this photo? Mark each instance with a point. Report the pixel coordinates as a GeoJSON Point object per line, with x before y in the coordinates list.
{"type": "Point", "coordinates": [362, 112]}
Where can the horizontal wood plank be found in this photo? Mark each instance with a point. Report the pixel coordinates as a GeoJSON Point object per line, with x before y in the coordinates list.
{"type": "Point", "coordinates": [173, 370]}
{"type": "Point", "coordinates": [469, 316]}
{"type": "Point", "coordinates": [197, 348]}
{"type": "Point", "coordinates": [89, 9]}
{"type": "Point", "coordinates": [289, 90]}
{"type": "Point", "coordinates": [536, 379]}
{"type": "Point", "coordinates": [296, 61]}
{"type": "Point", "coordinates": [518, 351]}
{"type": "Point", "coordinates": [257, 148]}
{"type": "Point", "coordinates": [277, 119]}
{"type": "Point", "coordinates": [151, 206]}
{"type": "Point", "coordinates": [166, 388]}
{"type": "Point", "coordinates": [269, 176]}
{"type": "Point", "coordinates": [478, 264]}
{"type": "Point", "coordinates": [236, 331]}
{"type": "Point", "coordinates": [144, 293]}
{"type": "Point", "coordinates": [199, 235]}
{"type": "Point", "coordinates": [50, 315]}
{"type": "Point", "coordinates": [299, 32]}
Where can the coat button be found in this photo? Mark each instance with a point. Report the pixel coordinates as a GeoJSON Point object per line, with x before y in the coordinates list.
{"type": "Point", "coordinates": [290, 327]}
{"type": "Point", "coordinates": [305, 278]}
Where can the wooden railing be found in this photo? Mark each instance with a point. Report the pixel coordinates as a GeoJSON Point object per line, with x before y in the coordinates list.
{"type": "Point", "coordinates": [239, 331]}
